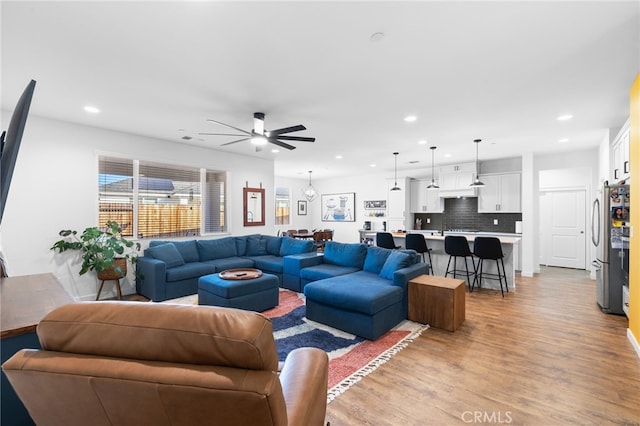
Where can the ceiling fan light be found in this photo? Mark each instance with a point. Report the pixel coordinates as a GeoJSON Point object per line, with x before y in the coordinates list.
{"type": "Point", "coordinates": [259, 140]}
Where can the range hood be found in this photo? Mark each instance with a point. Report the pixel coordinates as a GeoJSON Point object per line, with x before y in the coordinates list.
{"type": "Point", "coordinates": [456, 193]}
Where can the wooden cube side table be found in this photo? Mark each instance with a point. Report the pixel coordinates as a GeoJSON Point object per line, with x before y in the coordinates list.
{"type": "Point", "coordinates": [437, 301]}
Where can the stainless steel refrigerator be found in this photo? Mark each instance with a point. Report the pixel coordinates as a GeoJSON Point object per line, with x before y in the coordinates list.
{"type": "Point", "coordinates": [610, 235]}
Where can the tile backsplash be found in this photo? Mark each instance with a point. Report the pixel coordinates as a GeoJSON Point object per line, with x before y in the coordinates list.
{"type": "Point", "coordinates": [462, 213]}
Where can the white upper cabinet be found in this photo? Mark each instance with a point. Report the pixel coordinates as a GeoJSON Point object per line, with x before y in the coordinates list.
{"type": "Point", "coordinates": [455, 180]}
{"type": "Point", "coordinates": [397, 201]}
{"type": "Point", "coordinates": [425, 200]}
{"type": "Point", "coordinates": [500, 193]}
{"type": "Point", "coordinates": [620, 155]}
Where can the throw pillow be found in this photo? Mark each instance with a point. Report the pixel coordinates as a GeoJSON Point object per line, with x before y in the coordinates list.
{"type": "Point", "coordinates": [217, 249]}
{"type": "Point", "coordinates": [376, 256]}
{"type": "Point", "coordinates": [395, 261]}
{"type": "Point", "coordinates": [273, 244]}
{"type": "Point", "coordinates": [294, 246]}
{"type": "Point", "coordinates": [256, 246]}
{"type": "Point", "coordinates": [345, 254]}
{"type": "Point", "coordinates": [168, 253]}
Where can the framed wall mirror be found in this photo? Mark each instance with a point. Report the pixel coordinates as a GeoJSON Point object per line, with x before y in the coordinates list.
{"type": "Point", "coordinates": [253, 206]}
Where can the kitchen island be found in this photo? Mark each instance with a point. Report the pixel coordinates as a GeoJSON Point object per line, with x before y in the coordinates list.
{"type": "Point", "coordinates": [440, 258]}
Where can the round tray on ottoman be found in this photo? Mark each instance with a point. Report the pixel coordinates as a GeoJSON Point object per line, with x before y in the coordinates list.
{"type": "Point", "coordinates": [240, 274]}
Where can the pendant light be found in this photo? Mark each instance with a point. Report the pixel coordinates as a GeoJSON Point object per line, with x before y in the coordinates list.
{"type": "Point", "coordinates": [477, 183]}
{"type": "Point", "coordinates": [310, 192]}
{"type": "Point", "coordinates": [433, 174]}
{"type": "Point", "coordinates": [395, 184]}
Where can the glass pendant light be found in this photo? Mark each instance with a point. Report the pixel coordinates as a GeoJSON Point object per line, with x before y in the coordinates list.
{"type": "Point", "coordinates": [433, 174]}
{"type": "Point", "coordinates": [395, 184]}
{"type": "Point", "coordinates": [477, 183]}
{"type": "Point", "coordinates": [310, 192]}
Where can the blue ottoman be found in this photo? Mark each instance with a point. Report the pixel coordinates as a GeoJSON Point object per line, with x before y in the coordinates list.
{"type": "Point", "coordinates": [257, 294]}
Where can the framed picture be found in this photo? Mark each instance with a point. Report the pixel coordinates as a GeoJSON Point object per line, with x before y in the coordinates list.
{"type": "Point", "coordinates": [302, 208]}
{"type": "Point", "coordinates": [375, 204]}
{"type": "Point", "coordinates": [338, 207]}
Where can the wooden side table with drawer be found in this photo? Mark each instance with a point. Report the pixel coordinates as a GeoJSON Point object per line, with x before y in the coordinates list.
{"type": "Point", "coordinates": [437, 301]}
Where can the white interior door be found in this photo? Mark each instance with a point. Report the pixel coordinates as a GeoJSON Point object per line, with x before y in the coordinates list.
{"type": "Point", "coordinates": [563, 221]}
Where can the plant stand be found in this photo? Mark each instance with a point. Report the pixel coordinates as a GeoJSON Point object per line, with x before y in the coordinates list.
{"type": "Point", "coordinates": [111, 275]}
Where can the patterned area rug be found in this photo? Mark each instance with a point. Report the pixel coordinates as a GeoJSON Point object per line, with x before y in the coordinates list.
{"type": "Point", "coordinates": [351, 357]}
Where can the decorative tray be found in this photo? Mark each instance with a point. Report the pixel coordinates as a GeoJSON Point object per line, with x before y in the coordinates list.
{"type": "Point", "coordinates": [240, 274]}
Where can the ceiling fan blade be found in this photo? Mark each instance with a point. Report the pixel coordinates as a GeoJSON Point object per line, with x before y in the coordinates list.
{"type": "Point", "coordinates": [296, 138]}
{"type": "Point", "coordinates": [220, 134]}
{"type": "Point", "coordinates": [228, 125]}
{"type": "Point", "coordinates": [239, 140]}
{"type": "Point", "coordinates": [287, 130]}
{"type": "Point", "coordinates": [281, 144]}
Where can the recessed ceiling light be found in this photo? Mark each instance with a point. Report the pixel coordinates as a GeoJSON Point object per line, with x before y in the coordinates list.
{"type": "Point", "coordinates": [447, 156]}
{"type": "Point", "coordinates": [275, 151]}
{"type": "Point", "coordinates": [565, 117]}
{"type": "Point", "coordinates": [563, 140]}
{"type": "Point", "coordinates": [339, 157]}
{"type": "Point", "coordinates": [372, 165]}
{"type": "Point", "coordinates": [422, 142]}
{"type": "Point", "coordinates": [91, 109]}
{"type": "Point", "coordinates": [410, 118]}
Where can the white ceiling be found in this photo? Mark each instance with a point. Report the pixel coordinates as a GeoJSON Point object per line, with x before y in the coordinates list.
{"type": "Point", "coordinates": [499, 71]}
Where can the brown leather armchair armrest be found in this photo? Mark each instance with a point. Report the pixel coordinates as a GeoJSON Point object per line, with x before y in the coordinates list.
{"type": "Point", "coordinates": [304, 378]}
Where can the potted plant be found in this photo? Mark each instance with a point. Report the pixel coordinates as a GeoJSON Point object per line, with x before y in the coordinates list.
{"type": "Point", "coordinates": [104, 251]}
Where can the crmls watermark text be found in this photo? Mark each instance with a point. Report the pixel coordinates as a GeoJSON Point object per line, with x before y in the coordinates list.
{"type": "Point", "coordinates": [487, 417]}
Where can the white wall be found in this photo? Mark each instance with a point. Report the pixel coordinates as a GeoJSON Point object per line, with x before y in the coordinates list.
{"type": "Point", "coordinates": [54, 187]}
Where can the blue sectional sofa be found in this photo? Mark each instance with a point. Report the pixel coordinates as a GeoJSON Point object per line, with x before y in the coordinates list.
{"type": "Point", "coordinates": [170, 269]}
{"type": "Point", "coordinates": [359, 289]}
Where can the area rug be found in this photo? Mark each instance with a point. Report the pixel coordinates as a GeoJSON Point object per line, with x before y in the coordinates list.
{"type": "Point", "coordinates": [350, 357]}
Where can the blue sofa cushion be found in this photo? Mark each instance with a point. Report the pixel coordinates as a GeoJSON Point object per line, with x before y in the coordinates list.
{"type": "Point", "coordinates": [268, 263]}
{"type": "Point", "coordinates": [291, 246]}
{"type": "Point", "coordinates": [396, 260]}
{"type": "Point", "coordinates": [376, 256]}
{"type": "Point", "coordinates": [256, 246]}
{"type": "Point", "coordinates": [189, 270]}
{"type": "Point", "coordinates": [188, 249]}
{"type": "Point", "coordinates": [273, 244]}
{"type": "Point", "coordinates": [168, 253]}
{"type": "Point", "coordinates": [217, 249]}
{"type": "Point", "coordinates": [345, 254]}
{"type": "Point", "coordinates": [322, 271]}
{"type": "Point", "coordinates": [362, 292]}
{"type": "Point", "coordinates": [241, 244]}
{"type": "Point", "coordinates": [220, 265]}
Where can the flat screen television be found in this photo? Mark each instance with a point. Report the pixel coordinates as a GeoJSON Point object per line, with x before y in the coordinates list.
{"type": "Point", "coordinates": [10, 143]}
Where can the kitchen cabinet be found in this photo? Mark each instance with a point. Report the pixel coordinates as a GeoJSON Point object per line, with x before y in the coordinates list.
{"type": "Point", "coordinates": [455, 180]}
{"type": "Point", "coordinates": [500, 193]}
{"type": "Point", "coordinates": [620, 155]}
{"type": "Point", "coordinates": [425, 200]}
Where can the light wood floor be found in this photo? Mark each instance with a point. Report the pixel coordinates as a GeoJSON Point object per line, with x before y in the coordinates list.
{"type": "Point", "coordinates": [544, 355]}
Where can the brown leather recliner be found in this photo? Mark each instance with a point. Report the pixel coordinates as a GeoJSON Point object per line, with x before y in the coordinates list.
{"type": "Point", "coordinates": [135, 363]}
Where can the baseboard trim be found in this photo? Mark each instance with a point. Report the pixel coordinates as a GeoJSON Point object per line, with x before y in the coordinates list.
{"type": "Point", "coordinates": [633, 341]}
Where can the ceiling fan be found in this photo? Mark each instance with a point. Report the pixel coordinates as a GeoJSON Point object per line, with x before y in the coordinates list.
{"type": "Point", "coordinates": [259, 136]}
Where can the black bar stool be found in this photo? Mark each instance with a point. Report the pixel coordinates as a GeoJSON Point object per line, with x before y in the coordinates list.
{"type": "Point", "coordinates": [419, 244]}
{"type": "Point", "coordinates": [385, 240]}
{"type": "Point", "coordinates": [457, 246]}
{"type": "Point", "coordinates": [489, 248]}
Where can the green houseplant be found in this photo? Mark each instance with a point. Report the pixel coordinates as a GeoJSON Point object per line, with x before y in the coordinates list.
{"type": "Point", "coordinates": [105, 251]}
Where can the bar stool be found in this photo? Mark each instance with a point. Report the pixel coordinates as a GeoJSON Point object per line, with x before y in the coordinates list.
{"type": "Point", "coordinates": [385, 240]}
{"type": "Point", "coordinates": [419, 244]}
{"type": "Point", "coordinates": [457, 246]}
{"type": "Point", "coordinates": [489, 248]}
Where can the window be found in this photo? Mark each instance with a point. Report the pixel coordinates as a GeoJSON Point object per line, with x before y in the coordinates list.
{"type": "Point", "coordinates": [153, 200]}
{"type": "Point", "coordinates": [283, 207]}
